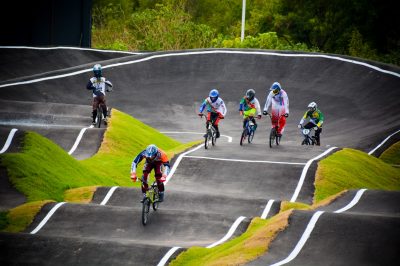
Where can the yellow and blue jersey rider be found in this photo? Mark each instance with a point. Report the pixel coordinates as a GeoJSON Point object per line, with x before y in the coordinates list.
{"type": "Point", "coordinates": [316, 119]}
{"type": "Point", "coordinates": [249, 107]}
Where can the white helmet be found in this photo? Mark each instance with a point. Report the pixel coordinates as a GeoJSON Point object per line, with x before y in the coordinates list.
{"type": "Point", "coordinates": [312, 106]}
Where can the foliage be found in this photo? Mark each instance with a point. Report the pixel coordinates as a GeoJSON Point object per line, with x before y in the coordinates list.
{"type": "Point", "coordinates": [352, 169]}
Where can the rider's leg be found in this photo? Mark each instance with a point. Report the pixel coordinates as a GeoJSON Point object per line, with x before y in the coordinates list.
{"type": "Point", "coordinates": [147, 167]}
{"type": "Point", "coordinates": [215, 118]}
{"type": "Point", "coordinates": [282, 123]}
{"type": "Point", "coordinates": [160, 184]}
{"type": "Point", "coordinates": [317, 136]}
{"type": "Point", "coordinates": [94, 109]}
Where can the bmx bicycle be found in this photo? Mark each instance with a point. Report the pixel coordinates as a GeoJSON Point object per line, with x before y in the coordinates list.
{"type": "Point", "coordinates": [308, 139]}
{"type": "Point", "coordinates": [151, 199]}
{"type": "Point", "coordinates": [211, 134]}
{"type": "Point", "coordinates": [273, 135]}
{"type": "Point", "coordinates": [248, 131]}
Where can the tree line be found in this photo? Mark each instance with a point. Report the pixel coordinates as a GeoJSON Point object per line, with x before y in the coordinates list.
{"type": "Point", "coordinates": [362, 28]}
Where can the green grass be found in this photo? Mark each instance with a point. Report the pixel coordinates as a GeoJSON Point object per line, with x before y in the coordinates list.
{"type": "Point", "coordinates": [244, 248]}
{"type": "Point", "coordinates": [43, 171]}
{"type": "Point", "coordinates": [353, 169]}
{"type": "Point", "coordinates": [392, 155]}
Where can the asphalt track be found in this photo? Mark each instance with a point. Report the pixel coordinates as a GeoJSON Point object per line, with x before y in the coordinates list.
{"type": "Point", "coordinates": [210, 190]}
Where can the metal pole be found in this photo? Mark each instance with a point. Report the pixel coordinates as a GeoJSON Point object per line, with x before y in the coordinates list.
{"type": "Point", "coordinates": [243, 19]}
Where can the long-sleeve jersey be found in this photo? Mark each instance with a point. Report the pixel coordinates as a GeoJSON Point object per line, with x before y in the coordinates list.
{"type": "Point", "coordinates": [213, 107]}
{"type": "Point", "coordinates": [160, 157]}
{"type": "Point", "coordinates": [280, 102]}
{"type": "Point", "coordinates": [316, 117]}
{"type": "Point", "coordinates": [98, 86]}
{"type": "Point", "coordinates": [246, 105]}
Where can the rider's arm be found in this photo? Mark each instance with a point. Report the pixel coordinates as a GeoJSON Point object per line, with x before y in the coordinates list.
{"type": "Point", "coordinates": [89, 85]}
{"type": "Point", "coordinates": [202, 106]}
{"type": "Point", "coordinates": [257, 104]}
{"type": "Point", "coordinates": [108, 83]}
{"type": "Point", "coordinates": [285, 102]}
{"type": "Point", "coordinates": [268, 102]}
{"type": "Point", "coordinates": [136, 161]}
{"type": "Point", "coordinates": [303, 118]}
{"type": "Point", "coordinates": [321, 118]}
{"type": "Point", "coordinates": [222, 108]}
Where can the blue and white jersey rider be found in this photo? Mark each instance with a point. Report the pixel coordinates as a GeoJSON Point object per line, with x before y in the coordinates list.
{"type": "Point", "coordinates": [98, 85]}
{"type": "Point", "coordinates": [218, 106]}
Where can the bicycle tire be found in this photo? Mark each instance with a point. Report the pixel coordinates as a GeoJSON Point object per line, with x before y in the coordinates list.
{"type": "Point", "coordinates": [206, 140]}
{"type": "Point", "coordinates": [251, 136]}
{"type": "Point", "coordinates": [277, 140]}
{"type": "Point", "coordinates": [272, 135]}
{"type": "Point", "coordinates": [99, 116]}
{"type": "Point", "coordinates": [244, 134]}
{"type": "Point", "coordinates": [213, 138]}
{"type": "Point", "coordinates": [145, 211]}
{"type": "Point", "coordinates": [155, 198]}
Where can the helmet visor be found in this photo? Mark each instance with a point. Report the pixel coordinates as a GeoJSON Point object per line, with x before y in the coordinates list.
{"type": "Point", "coordinates": [275, 91]}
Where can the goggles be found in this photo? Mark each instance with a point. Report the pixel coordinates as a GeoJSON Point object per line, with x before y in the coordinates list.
{"type": "Point", "coordinates": [276, 91]}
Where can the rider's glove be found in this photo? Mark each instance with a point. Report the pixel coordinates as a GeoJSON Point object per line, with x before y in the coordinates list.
{"type": "Point", "coordinates": [241, 112]}
{"type": "Point", "coordinates": [133, 177]}
{"type": "Point", "coordinates": [200, 114]}
{"type": "Point", "coordinates": [265, 113]}
{"type": "Point", "coordinates": [315, 128]}
{"type": "Point", "coordinates": [286, 115]}
{"type": "Point", "coordinates": [300, 126]}
{"type": "Point", "coordinates": [259, 116]}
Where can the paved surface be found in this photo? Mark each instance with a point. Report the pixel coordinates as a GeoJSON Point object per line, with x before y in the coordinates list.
{"type": "Point", "coordinates": [205, 195]}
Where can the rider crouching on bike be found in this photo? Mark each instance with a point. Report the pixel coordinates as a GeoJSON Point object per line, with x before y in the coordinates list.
{"type": "Point", "coordinates": [155, 159]}
{"type": "Point", "coordinates": [98, 85]}
{"type": "Point", "coordinates": [216, 109]}
{"type": "Point", "coordinates": [279, 102]}
{"type": "Point", "coordinates": [316, 119]}
{"type": "Point", "coordinates": [249, 106]}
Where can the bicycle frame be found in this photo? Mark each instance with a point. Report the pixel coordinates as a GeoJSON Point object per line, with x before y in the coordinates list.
{"type": "Point", "coordinates": [211, 134]}
{"type": "Point", "coordinates": [308, 140]}
{"type": "Point", "coordinates": [150, 199]}
{"type": "Point", "coordinates": [248, 130]}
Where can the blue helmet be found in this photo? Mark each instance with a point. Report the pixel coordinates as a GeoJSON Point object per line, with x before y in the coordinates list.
{"type": "Point", "coordinates": [275, 88]}
{"type": "Point", "coordinates": [97, 70]}
{"type": "Point", "coordinates": [151, 151]}
{"type": "Point", "coordinates": [214, 94]}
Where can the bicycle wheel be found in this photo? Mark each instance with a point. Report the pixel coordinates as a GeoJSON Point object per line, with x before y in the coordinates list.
{"type": "Point", "coordinates": [145, 211]}
{"type": "Point", "coordinates": [99, 116]}
{"type": "Point", "coordinates": [213, 137]}
{"type": "Point", "coordinates": [206, 139]}
{"type": "Point", "coordinates": [272, 136]}
{"type": "Point", "coordinates": [244, 135]}
{"type": "Point", "coordinates": [155, 198]}
{"type": "Point", "coordinates": [251, 136]}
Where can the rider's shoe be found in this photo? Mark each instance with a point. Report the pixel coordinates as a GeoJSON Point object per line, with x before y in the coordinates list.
{"type": "Point", "coordinates": [205, 135]}
{"type": "Point", "coordinates": [217, 134]}
{"type": "Point", "coordinates": [105, 120]}
{"type": "Point", "coordinates": [93, 122]}
{"type": "Point", "coordinates": [144, 197]}
{"type": "Point", "coordinates": [160, 196]}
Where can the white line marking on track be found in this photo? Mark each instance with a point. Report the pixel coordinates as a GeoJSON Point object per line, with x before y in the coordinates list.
{"type": "Point", "coordinates": [200, 53]}
{"type": "Point", "coordinates": [267, 209]}
{"type": "Point", "coordinates": [78, 139]}
{"type": "Point", "coordinates": [230, 232]}
{"type": "Point", "coordinates": [108, 196]}
{"type": "Point", "coordinates": [195, 133]}
{"type": "Point", "coordinates": [377, 147]}
{"type": "Point", "coordinates": [46, 219]}
{"type": "Point", "coordinates": [304, 173]}
{"type": "Point", "coordinates": [9, 140]}
{"type": "Point", "coordinates": [355, 200]}
{"type": "Point", "coordinates": [311, 226]}
{"type": "Point", "coordinates": [67, 48]}
{"type": "Point", "coordinates": [240, 160]}
{"type": "Point", "coordinates": [167, 256]}
{"type": "Point", "coordinates": [178, 162]}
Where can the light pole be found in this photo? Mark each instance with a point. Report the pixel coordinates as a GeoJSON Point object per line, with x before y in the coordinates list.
{"type": "Point", "coordinates": [243, 19]}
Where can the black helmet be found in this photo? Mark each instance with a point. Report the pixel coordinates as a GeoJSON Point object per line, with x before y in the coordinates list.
{"type": "Point", "coordinates": [250, 94]}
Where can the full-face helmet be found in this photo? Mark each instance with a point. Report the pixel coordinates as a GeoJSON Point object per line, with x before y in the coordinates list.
{"type": "Point", "coordinates": [312, 106]}
{"type": "Point", "coordinates": [97, 70]}
{"type": "Point", "coordinates": [151, 151]}
{"type": "Point", "coordinates": [275, 88]}
{"type": "Point", "coordinates": [250, 94]}
{"type": "Point", "coordinates": [214, 94]}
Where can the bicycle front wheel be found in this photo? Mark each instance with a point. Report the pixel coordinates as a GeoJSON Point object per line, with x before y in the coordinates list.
{"type": "Point", "coordinates": [214, 138]}
{"type": "Point", "coordinates": [244, 135]}
{"type": "Point", "coordinates": [206, 140]}
{"type": "Point", "coordinates": [145, 211]}
{"type": "Point", "coordinates": [99, 116]}
{"type": "Point", "coordinates": [272, 136]}
{"type": "Point", "coordinates": [251, 136]}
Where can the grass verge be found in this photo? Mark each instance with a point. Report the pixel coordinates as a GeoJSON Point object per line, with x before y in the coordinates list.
{"type": "Point", "coordinates": [353, 169]}
{"type": "Point", "coordinates": [392, 155]}
{"type": "Point", "coordinates": [43, 171]}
